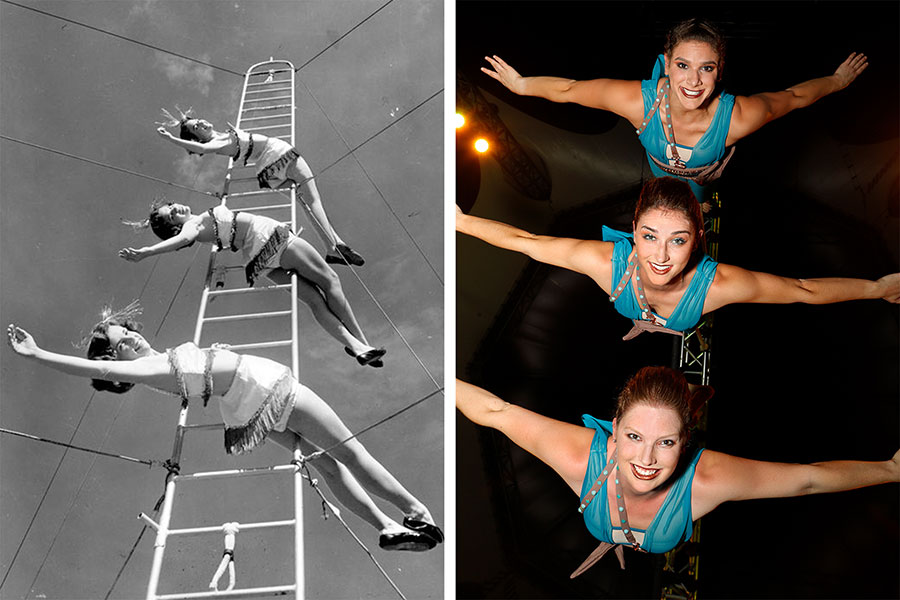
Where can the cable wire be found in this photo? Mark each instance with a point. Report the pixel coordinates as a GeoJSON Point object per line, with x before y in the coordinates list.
{"type": "Point", "coordinates": [122, 37]}
{"type": "Point", "coordinates": [325, 49]}
{"type": "Point", "coordinates": [150, 463]}
{"type": "Point", "coordinates": [94, 162]}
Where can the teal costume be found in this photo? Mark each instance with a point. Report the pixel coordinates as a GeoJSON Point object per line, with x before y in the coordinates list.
{"type": "Point", "coordinates": [709, 149]}
{"type": "Point", "coordinates": [672, 523]}
{"type": "Point", "coordinates": [690, 307]}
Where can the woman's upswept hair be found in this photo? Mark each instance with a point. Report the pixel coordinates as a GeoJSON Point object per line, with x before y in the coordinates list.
{"type": "Point", "coordinates": [99, 347]}
{"type": "Point", "coordinates": [674, 195]}
{"type": "Point", "coordinates": [697, 30]}
{"type": "Point", "coordinates": [663, 387]}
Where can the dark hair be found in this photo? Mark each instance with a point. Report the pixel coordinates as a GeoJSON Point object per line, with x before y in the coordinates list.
{"type": "Point", "coordinates": [162, 228]}
{"type": "Point", "coordinates": [185, 133]}
{"type": "Point", "coordinates": [660, 387]}
{"type": "Point", "coordinates": [697, 30]}
{"type": "Point", "coordinates": [99, 348]}
{"type": "Point", "coordinates": [671, 194]}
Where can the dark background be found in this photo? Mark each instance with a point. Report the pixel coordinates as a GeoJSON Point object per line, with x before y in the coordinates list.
{"type": "Point", "coordinates": [794, 383]}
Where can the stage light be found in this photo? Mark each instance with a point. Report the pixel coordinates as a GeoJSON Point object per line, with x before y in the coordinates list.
{"type": "Point", "coordinates": [482, 145]}
{"type": "Point", "coordinates": [459, 120]}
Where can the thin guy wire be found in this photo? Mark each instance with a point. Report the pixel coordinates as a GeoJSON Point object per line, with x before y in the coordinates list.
{"type": "Point", "coordinates": [91, 450]}
{"type": "Point", "coordinates": [122, 37]}
{"type": "Point", "coordinates": [94, 162]}
{"type": "Point", "coordinates": [325, 49]}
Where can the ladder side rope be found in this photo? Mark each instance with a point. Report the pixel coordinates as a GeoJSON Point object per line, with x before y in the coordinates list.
{"type": "Point", "coordinates": [337, 513]}
{"type": "Point", "coordinates": [75, 497]}
{"type": "Point", "coordinates": [319, 453]}
{"type": "Point", "coordinates": [326, 48]}
{"type": "Point", "coordinates": [108, 166]}
{"type": "Point", "coordinates": [384, 313]}
{"type": "Point", "coordinates": [151, 462]}
{"type": "Point", "coordinates": [122, 37]}
{"type": "Point", "coordinates": [46, 491]}
{"type": "Point", "coordinates": [352, 152]}
{"type": "Point", "coordinates": [75, 432]}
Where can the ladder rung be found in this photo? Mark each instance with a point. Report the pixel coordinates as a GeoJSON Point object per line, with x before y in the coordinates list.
{"type": "Point", "coordinates": [253, 193]}
{"type": "Point", "coordinates": [252, 129]}
{"type": "Point", "coordinates": [248, 526]}
{"type": "Point", "coordinates": [281, 116]}
{"type": "Point", "coordinates": [270, 90]}
{"type": "Point", "coordinates": [267, 71]}
{"type": "Point", "coordinates": [254, 345]}
{"type": "Point", "coordinates": [206, 426]}
{"type": "Point", "coordinates": [247, 317]}
{"type": "Point", "coordinates": [237, 472]}
{"type": "Point", "coordinates": [279, 590]}
{"type": "Point", "coordinates": [262, 288]}
{"type": "Point", "coordinates": [274, 106]}
{"type": "Point", "coordinates": [264, 99]}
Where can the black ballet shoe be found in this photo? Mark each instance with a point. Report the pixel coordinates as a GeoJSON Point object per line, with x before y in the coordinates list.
{"type": "Point", "coordinates": [371, 357]}
{"type": "Point", "coordinates": [347, 255]}
{"type": "Point", "coordinates": [432, 531]}
{"type": "Point", "coordinates": [409, 541]}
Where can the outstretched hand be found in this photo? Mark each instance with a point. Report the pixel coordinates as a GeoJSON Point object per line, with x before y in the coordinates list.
{"type": "Point", "coordinates": [21, 341]}
{"type": "Point", "coordinates": [896, 461]}
{"type": "Point", "coordinates": [163, 132]}
{"type": "Point", "coordinates": [850, 69]}
{"type": "Point", "coordinates": [132, 254]}
{"type": "Point", "coordinates": [505, 74]}
{"type": "Point", "coordinates": [890, 288]}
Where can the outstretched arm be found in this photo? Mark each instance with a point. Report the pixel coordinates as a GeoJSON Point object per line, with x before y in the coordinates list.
{"type": "Point", "coordinates": [752, 112]}
{"type": "Point", "coordinates": [736, 285]}
{"type": "Point", "coordinates": [721, 478]}
{"type": "Point", "coordinates": [614, 95]}
{"type": "Point", "coordinates": [213, 145]}
{"type": "Point", "coordinates": [562, 446]}
{"type": "Point", "coordinates": [188, 235]}
{"type": "Point", "coordinates": [582, 256]}
{"type": "Point", "coordinates": [152, 370]}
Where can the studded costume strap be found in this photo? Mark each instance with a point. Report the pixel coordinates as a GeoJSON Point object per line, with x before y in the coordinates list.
{"type": "Point", "coordinates": [662, 96]}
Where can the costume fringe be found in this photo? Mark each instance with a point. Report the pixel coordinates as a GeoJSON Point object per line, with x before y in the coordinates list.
{"type": "Point", "coordinates": [263, 176]}
{"type": "Point", "coordinates": [245, 438]}
{"type": "Point", "coordinates": [273, 246]}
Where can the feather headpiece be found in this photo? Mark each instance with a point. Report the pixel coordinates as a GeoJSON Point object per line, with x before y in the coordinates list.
{"type": "Point", "coordinates": [173, 121]}
{"type": "Point", "coordinates": [108, 315]}
{"type": "Point", "coordinates": [145, 223]}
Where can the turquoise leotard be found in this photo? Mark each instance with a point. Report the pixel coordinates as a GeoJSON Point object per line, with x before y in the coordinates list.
{"type": "Point", "coordinates": [710, 147]}
{"type": "Point", "coordinates": [672, 523]}
{"type": "Point", "coordinates": [689, 309]}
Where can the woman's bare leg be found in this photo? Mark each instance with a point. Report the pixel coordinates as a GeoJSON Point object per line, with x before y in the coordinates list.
{"type": "Point", "coordinates": [300, 256]}
{"type": "Point", "coordinates": [341, 483]}
{"type": "Point", "coordinates": [308, 194]}
{"type": "Point", "coordinates": [310, 295]}
{"type": "Point", "coordinates": [314, 420]}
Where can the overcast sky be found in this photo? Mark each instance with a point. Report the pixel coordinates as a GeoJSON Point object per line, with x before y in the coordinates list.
{"type": "Point", "coordinates": [69, 518]}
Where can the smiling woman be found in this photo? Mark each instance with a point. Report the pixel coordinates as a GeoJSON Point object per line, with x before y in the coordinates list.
{"type": "Point", "coordinates": [689, 137]}
{"type": "Point", "coordinates": [258, 399]}
{"type": "Point", "coordinates": [271, 249]}
{"type": "Point", "coordinates": [658, 276]}
{"type": "Point", "coordinates": [640, 482]}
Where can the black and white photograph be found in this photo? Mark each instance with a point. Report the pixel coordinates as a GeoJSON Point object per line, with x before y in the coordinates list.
{"type": "Point", "coordinates": [237, 206]}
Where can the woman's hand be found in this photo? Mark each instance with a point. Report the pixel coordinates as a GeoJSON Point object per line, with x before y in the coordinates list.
{"type": "Point", "coordinates": [889, 288]}
{"type": "Point", "coordinates": [505, 74]}
{"type": "Point", "coordinates": [163, 132]}
{"type": "Point", "coordinates": [133, 254]}
{"type": "Point", "coordinates": [21, 341]}
{"type": "Point", "coordinates": [850, 69]}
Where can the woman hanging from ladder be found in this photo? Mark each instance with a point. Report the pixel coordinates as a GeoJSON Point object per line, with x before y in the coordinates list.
{"type": "Point", "coordinates": [278, 164]}
{"type": "Point", "coordinates": [271, 249]}
{"type": "Point", "coordinates": [659, 275]}
{"type": "Point", "coordinates": [640, 482]}
{"type": "Point", "coordinates": [680, 102]}
{"type": "Point", "coordinates": [258, 399]}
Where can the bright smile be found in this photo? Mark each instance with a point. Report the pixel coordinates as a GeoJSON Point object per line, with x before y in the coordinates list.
{"type": "Point", "coordinates": [691, 93]}
{"type": "Point", "coordinates": [659, 269]}
{"type": "Point", "coordinates": [644, 474]}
